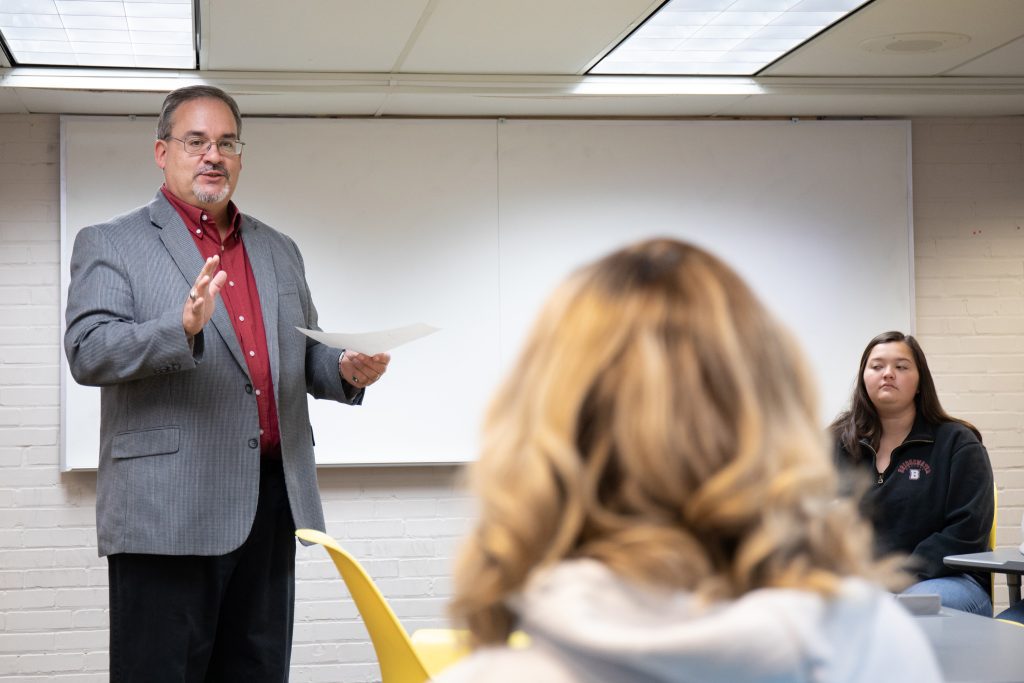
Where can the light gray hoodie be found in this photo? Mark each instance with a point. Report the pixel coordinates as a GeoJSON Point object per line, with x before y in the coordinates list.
{"type": "Point", "coordinates": [586, 624]}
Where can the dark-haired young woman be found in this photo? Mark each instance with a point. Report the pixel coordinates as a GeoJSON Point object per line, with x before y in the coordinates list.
{"type": "Point", "coordinates": [931, 494]}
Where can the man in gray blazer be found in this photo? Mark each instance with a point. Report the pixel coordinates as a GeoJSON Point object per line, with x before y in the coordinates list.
{"type": "Point", "coordinates": [206, 451]}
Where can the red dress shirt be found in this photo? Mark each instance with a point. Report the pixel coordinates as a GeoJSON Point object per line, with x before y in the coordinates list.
{"type": "Point", "coordinates": [241, 300]}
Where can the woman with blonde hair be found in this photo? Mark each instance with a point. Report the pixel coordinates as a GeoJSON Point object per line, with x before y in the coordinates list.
{"type": "Point", "coordinates": [657, 502]}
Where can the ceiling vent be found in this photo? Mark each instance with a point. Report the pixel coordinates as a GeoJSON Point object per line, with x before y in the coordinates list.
{"type": "Point", "coordinates": [915, 43]}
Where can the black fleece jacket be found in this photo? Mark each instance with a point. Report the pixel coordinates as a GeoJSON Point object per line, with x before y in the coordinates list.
{"type": "Point", "coordinates": [934, 499]}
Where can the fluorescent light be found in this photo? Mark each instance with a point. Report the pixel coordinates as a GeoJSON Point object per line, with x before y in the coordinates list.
{"type": "Point", "coordinates": [30, 20]}
{"type": "Point", "coordinates": [720, 37]}
{"type": "Point", "coordinates": [122, 33]}
{"type": "Point", "coordinates": [89, 9]}
{"type": "Point", "coordinates": [94, 22]}
{"type": "Point", "coordinates": [158, 9]}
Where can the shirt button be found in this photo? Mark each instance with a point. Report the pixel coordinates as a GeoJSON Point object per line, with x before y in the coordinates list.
{"type": "Point", "coordinates": [204, 217]}
{"type": "Point", "coordinates": [253, 443]}
{"type": "Point", "coordinates": [261, 432]}
{"type": "Point", "coordinates": [241, 318]}
{"type": "Point", "coordinates": [222, 247]}
{"type": "Point", "coordinates": [199, 231]}
{"type": "Point", "coordinates": [232, 283]}
{"type": "Point", "coordinates": [257, 392]}
{"type": "Point", "coordinates": [252, 353]}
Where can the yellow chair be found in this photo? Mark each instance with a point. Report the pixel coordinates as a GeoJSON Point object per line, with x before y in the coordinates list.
{"type": "Point", "coordinates": [439, 648]}
{"type": "Point", "coordinates": [995, 516]}
{"type": "Point", "coordinates": [402, 659]}
{"type": "Point", "coordinates": [992, 542]}
{"type": "Point", "coordinates": [399, 662]}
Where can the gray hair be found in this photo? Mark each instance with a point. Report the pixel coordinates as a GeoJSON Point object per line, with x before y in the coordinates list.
{"type": "Point", "coordinates": [178, 97]}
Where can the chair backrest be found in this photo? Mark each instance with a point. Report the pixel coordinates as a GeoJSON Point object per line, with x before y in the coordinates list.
{"type": "Point", "coordinates": [995, 517]}
{"type": "Point", "coordinates": [398, 660]}
{"type": "Point", "coordinates": [992, 541]}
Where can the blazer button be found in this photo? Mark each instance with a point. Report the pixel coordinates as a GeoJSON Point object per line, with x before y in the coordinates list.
{"type": "Point", "coordinates": [248, 388]}
{"type": "Point", "coordinates": [254, 443]}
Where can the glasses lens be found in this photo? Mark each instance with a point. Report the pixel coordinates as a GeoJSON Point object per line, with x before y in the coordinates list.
{"type": "Point", "coordinates": [195, 145]}
{"type": "Point", "coordinates": [198, 145]}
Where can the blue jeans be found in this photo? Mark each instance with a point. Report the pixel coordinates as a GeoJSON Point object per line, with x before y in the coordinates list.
{"type": "Point", "coordinates": [957, 592]}
{"type": "Point", "coordinates": [1015, 613]}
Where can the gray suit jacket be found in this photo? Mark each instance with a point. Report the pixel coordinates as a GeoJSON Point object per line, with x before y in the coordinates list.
{"type": "Point", "coordinates": [179, 463]}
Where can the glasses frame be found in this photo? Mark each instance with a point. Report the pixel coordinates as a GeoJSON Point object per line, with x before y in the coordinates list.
{"type": "Point", "coordinates": [209, 143]}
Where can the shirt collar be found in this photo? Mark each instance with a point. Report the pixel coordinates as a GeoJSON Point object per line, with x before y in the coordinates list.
{"type": "Point", "coordinates": [193, 216]}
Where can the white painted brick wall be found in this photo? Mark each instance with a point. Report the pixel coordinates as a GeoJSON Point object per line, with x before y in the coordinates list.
{"type": "Point", "coordinates": [404, 523]}
{"type": "Point", "coordinates": [969, 254]}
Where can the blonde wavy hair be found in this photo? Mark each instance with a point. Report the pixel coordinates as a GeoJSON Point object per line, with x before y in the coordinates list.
{"type": "Point", "coordinates": [659, 420]}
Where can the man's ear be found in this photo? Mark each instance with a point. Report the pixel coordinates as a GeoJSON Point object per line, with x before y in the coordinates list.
{"type": "Point", "coordinates": [160, 153]}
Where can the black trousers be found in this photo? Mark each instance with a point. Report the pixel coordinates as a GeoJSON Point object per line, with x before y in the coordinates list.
{"type": "Point", "coordinates": [189, 619]}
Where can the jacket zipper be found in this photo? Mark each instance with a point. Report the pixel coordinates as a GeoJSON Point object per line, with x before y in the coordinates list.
{"type": "Point", "coordinates": [874, 455]}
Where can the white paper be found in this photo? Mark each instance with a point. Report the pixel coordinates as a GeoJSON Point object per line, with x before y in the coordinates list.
{"type": "Point", "coordinates": [371, 343]}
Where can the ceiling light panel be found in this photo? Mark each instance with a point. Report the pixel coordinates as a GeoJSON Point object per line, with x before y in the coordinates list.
{"type": "Point", "coordinates": [120, 33]}
{"type": "Point", "coordinates": [721, 37]}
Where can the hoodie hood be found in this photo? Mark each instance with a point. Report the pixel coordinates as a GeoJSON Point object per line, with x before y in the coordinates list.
{"type": "Point", "coordinates": [608, 629]}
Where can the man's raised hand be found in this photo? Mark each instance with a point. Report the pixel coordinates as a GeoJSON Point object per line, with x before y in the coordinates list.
{"type": "Point", "coordinates": [202, 297]}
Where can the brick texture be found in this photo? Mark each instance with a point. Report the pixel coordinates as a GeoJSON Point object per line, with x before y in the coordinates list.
{"type": "Point", "coordinates": [969, 263]}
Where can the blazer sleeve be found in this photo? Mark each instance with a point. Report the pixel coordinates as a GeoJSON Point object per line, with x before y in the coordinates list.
{"type": "Point", "coordinates": [104, 342]}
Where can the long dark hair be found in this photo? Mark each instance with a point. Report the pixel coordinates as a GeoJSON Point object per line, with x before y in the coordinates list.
{"type": "Point", "coordinates": [861, 421]}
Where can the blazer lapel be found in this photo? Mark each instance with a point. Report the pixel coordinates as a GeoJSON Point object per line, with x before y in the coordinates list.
{"type": "Point", "coordinates": [183, 251]}
{"type": "Point", "coordinates": [260, 251]}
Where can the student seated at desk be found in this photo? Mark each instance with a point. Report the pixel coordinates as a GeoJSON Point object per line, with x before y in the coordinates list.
{"type": "Point", "coordinates": [930, 493]}
{"type": "Point", "coordinates": [657, 501]}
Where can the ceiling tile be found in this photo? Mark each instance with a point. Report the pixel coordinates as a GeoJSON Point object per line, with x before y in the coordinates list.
{"type": "Point", "coordinates": [840, 51]}
{"type": "Point", "coordinates": [324, 35]}
{"type": "Point", "coordinates": [521, 36]}
{"type": "Point", "coordinates": [1007, 60]}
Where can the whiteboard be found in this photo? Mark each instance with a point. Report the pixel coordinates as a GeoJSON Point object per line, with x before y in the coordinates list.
{"type": "Point", "coordinates": [468, 225]}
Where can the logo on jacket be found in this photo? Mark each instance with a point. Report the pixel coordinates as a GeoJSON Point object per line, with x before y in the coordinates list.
{"type": "Point", "coordinates": [914, 469]}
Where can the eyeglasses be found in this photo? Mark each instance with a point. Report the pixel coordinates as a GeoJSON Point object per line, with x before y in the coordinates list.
{"type": "Point", "coordinates": [195, 146]}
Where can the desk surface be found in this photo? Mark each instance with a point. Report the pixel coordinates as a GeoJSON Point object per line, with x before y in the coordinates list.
{"type": "Point", "coordinates": [973, 649]}
{"type": "Point", "coordinates": [1003, 560]}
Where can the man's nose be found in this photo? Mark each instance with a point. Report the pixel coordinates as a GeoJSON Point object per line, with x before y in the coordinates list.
{"type": "Point", "coordinates": [213, 152]}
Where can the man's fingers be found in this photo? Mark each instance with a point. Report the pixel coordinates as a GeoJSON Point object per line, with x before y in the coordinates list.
{"type": "Point", "coordinates": [366, 366]}
{"type": "Point", "coordinates": [218, 282]}
{"type": "Point", "coordinates": [208, 282]}
{"type": "Point", "coordinates": [209, 268]}
{"type": "Point", "coordinates": [359, 361]}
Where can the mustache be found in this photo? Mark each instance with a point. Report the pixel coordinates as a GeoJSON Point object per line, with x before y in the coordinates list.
{"type": "Point", "coordinates": [206, 168]}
